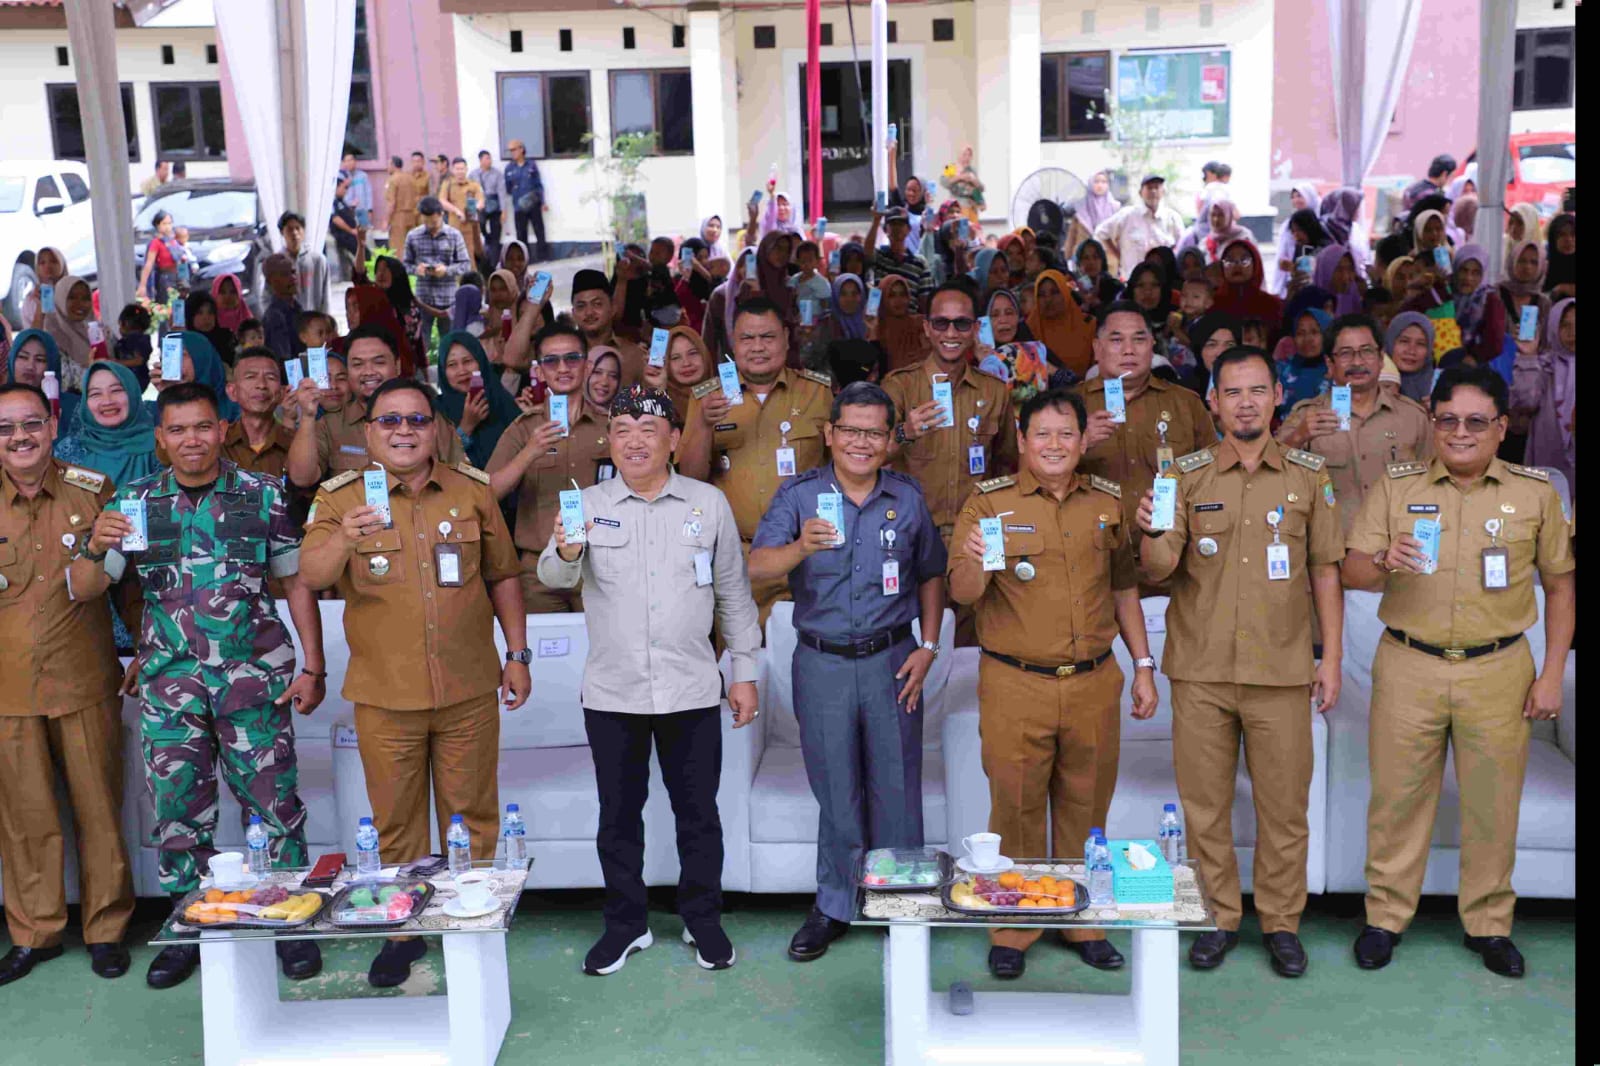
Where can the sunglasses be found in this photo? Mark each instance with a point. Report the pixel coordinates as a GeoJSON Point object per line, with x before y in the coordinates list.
{"type": "Point", "coordinates": [960, 325]}
{"type": "Point", "coordinates": [392, 422]}
{"type": "Point", "coordinates": [570, 358]}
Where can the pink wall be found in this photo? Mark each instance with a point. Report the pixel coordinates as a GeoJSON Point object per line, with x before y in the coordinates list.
{"type": "Point", "coordinates": [1438, 109]}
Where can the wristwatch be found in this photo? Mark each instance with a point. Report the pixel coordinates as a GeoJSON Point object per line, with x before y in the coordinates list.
{"type": "Point", "coordinates": [525, 656]}
{"type": "Point", "coordinates": [929, 645]}
{"type": "Point", "coordinates": [900, 434]}
{"type": "Point", "coordinates": [1145, 663]}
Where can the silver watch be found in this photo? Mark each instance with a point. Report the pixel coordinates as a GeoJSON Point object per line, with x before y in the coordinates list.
{"type": "Point", "coordinates": [525, 656]}
{"type": "Point", "coordinates": [932, 646]}
{"type": "Point", "coordinates": [1146, 662]}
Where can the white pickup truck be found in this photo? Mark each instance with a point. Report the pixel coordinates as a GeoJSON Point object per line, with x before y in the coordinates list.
{"type": "Point", "coordinates": [43, 202]}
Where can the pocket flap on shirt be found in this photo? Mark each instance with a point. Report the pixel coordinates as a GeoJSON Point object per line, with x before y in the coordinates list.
{"type": "Point", "coordinates": [1294, 524]}
{"type": "Point", "coordinates": [607, 536]}
{"type": "Point", "coordinates": [385, 540]}
{"type": "Point", "coordinates": [8, 554]}
{"type": "Point", "coordinates": [1203, 522]}
{"type": "Point", "coordinates": [464, 530]}
{"type": "Point", "coordinates": [1018, 544]}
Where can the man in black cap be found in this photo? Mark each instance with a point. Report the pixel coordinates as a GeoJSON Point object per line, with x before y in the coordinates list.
{"type": "Point", "coordinates": [1133, 231]}
{"type": "Point", "coordinates": [594, 310]}
{"type": "Point", "coordinates": [437, 256]}
{"type": "Point", "coordinates": [895, 257]}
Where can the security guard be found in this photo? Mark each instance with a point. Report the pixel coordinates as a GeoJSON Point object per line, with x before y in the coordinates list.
{"type": "Point", "coordinates": [537, 458]}
{"type": "Point", "coordinates": [216, 665]}
{"type": "Point", "coordinates": [858, 581]}
{"type": "Point", "coordinates": [1384, 427]}
{"type": "Point", "coordinates": [422, 592]}
{"type": "Point", "coordinates": [59, 705]}
{"type": "Point", "coordinates": [1453, 669]}
{"type": "Point", "coordinates": [776, 432]}
{"type": "Point", "coordinates": [1254, 540]}
{"type": "Point", "coordinates": [1051, 595]}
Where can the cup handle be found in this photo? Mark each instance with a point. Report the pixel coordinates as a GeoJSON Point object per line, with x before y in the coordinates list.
{"type": "Point", "coordinates": [966, 844]}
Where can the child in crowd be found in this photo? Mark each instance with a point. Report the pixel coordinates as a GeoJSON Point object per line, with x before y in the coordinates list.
{"type": "Point", "coordinates": [251, 334]}
{"type": "Point", "coordinates": [808, 284]}
{"type": "Point", "coordinates": [312, 330]}
{"type": "Point", "coordinates": [181, 235]}
{"type": "Point", "coordinates": [1195, 299]}
{"type": "Point", "coordinates": [132, 347]}
{"type": "Point", "coordinates": [1254, 332]}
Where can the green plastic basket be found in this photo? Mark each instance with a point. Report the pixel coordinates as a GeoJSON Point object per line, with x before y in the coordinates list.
{"type": "Point", "coordinates": [1139, 886]}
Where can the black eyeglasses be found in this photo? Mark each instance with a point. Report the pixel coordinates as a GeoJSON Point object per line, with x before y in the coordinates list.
{"type": "Point", "coordinates": [32, 427]}
{"type": "Point", "coordinates": [570, 358]}
{"type": "Point", "coordinates": [392, 422]}
{"type": "Point", "coordinates": [960, 325]}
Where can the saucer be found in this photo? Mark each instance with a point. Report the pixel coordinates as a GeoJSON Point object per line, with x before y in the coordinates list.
{"type": "Point", "coordinates": [249, 880]}
{"type": "Point", "coordinates": [454, 909]}
{"type": "Point", "coordinates": [1002, 864]}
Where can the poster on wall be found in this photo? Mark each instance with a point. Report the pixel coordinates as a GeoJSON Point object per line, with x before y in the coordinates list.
{"type": "Point", "coordinates": [1213, 84]}
{"type": "Point", "coordinates": [1181, 94]}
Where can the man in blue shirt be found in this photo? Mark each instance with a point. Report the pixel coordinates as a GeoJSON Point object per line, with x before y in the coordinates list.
{"type": "Point", "coordinates": [858, 668]}
{"type": "Point", "coordinates": [525, 188]}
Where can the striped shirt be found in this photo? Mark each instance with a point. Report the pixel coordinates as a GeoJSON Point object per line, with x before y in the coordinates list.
{"type": "Point", "coordinates": [911, 266]}
{"type": "Point", "coordinates": [444, 247]}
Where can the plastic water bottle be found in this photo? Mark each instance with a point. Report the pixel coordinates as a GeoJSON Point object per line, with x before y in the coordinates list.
{"type": "Point", "coordinates": [368, 862]}
{"type": "Point", "coordinates": [257, 860]}
{"type": "Point", "coordinates": [515, 834]}
{"type": "Point", "coordinates": [51, 386]}
{"type": "Point", "coordinates": [1100, 894]}
{"type": "Point", "coordinates": [1088, 845]}
{"type": "Point", "coordinates": [458, 846]}
{"type": "Point", "coordinates": [1171, 834]}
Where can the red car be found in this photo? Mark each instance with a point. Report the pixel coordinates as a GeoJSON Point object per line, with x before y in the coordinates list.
{"type": "Point", "coordinates": [1543, 167]}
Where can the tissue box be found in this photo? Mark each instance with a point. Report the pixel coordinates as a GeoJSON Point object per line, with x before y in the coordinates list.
{"type": "Point", "coordinates": [1152, 886]}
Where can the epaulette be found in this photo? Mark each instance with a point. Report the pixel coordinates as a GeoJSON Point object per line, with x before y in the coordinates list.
{"type": "Point", "coordinates": [339, 481]}
{"type": "Point", "coordinates": [996, 483]}
{"type": "Point", "coordinates": [92, 480]}
{"type": "Point", "coordinates": [1406, 469]}
{"type": "Point", "coordinates": [1110, 488]}
{"type": "Point", "coordinates": [1188, 464]}
{"type": "Point", "coordinates": [817, 376]}
{"type": "Point", "coordinates": [1530, 471]}
{"type": "Point", "coordinates": [705, 388]}
{"type": "Point", "coordinates": [1309, 460]}
{"type": "Point", "coordinates": [473, 472]}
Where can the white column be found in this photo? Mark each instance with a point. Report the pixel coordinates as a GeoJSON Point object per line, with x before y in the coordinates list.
{"type": "Point", "coordinates": [707, 81]}
{"type": "Point", "coordinates": [1497, 35]}
{"type": "Point", "coordinates": [991, 90]}
{"type": "Point", "coordinates": [1022, 78]}
{"type": "Point", "coordinates": [92, 33]}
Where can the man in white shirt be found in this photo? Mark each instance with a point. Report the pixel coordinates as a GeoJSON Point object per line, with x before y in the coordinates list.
{"type": "Point", "coordinates": [1133, 231]}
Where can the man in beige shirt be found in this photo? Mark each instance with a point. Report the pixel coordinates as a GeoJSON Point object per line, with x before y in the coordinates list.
{"type": "Point", "coordinates": [660, 561]}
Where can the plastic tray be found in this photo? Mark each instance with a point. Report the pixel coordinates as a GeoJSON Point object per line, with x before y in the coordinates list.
{"type": "Point", "coordinates": [943, 865]}
{"type": "Point", "coordinates": [244, 921]}
{"type": "Point", "coordinates": [1032, 871]}
{"type": "Point", "coordinates": [404, 884]}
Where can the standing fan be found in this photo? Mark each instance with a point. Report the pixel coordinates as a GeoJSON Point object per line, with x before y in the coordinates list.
{"type": "Point", "coordinates": [1043, 202]}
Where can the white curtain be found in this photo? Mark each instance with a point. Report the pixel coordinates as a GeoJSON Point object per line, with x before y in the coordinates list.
{"type": "Point", "coordinates": [249, 36]}
{"type": "Point", "coordinates": [330, 48]}
{"type": "Point", "coordinates": [1371, 43]}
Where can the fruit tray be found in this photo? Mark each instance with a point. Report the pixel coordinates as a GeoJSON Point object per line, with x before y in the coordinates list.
{"type": "Point", "coordinates": [251, 908]}
{"type": "Point", "coordinates": [1023, 889]}
{"type": "Point", "coordinates": [378, 908]}
{"type": "Point", "coordinates": [904, 869]}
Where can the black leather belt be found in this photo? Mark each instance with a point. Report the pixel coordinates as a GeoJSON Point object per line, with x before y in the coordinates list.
{"type": "Point", "coordinates": [1064, 670]}
{"type": "Point", "coordinates": [1454, 655]}
{"type": "Point", "coordinates": [857, 649]}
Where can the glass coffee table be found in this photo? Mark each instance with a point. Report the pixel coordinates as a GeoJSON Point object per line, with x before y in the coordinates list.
{"type": "Point", "coordinates": [246, 1022]}
{"type": "Point", "coordinates": [1038, 1028]}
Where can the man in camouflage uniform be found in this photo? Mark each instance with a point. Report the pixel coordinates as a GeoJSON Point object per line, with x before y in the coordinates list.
{"type": "Point", "coordinates": [215, 667]}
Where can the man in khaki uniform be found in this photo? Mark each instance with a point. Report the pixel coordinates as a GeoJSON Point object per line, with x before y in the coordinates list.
{"type": "Point", "coordinates": [537, 461]}
{"type": "Point", "coordinates": [59, 705]}
{"type": "Point", "coordinates": [592, 310]}
{"type": "Point", "coordinates": [422, 594]}
{"type": "Point", "coordinates": [402, 195]}
{"type": "Point", "coordinates": [1255, 540]}
{"type": "Point", "coordinates": [1453, 669]}
{"type": "Point", "coordinates": [748, 449]}
{"type": "Point", "coordinates": [1385, 427]}
{"type": "Point", "coordinates": [462, 198]}
{"type": "Point", "coordinates": [1048, 689]}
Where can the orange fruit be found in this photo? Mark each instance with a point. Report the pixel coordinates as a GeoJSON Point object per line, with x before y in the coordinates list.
{"type": "Point", "coordinates": [1047, 883]}
{"type": "Point", "coordinates": [1068, 893]}
{"type": "Point", "coordinates": [1027, 901]}
{"type": "Point", "coordinates": [1032, 888]}
{"type": "Point", "coordinates": [1011, 879]}
{"type": "Point", "coordinates": [214, 895]}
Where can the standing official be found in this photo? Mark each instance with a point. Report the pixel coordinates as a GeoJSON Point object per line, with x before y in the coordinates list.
{"type": "Point", "coordinates": [422, 594]}
{"type": "Point", "coordinates": [749, 449]}
{"type": "Point", "coordinates": [216, 665]}
{"type": "Point", "coordinates": [1255, 542]}
{"type": "Point", "coordinates": [462, 199]}
{"type": "Point", "coordinates": [1453, 669]}
{"type": "Point", "coordinates": [1048, 689]}
{"type": "Point", "coordinates": [59, 706]}
{"type": "Point", "coordinates": [858, 667]}
{"type": "Point", "coordinates": [661, 560]}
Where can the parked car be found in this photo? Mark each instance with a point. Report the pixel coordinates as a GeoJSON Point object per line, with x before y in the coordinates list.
{"type": "Point", "coordinates": [226, 231]}
{"type": "Point", "coordinates": [43, 202]}
{"type": "Point", "coordinates": [1543, 167]}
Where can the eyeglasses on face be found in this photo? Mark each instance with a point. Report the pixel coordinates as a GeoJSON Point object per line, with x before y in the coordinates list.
{"type": "Point", "coordinates": [1477, 425]}
{"type": "Point", "coordinates": [1238, 261]}
{"type": "Point", "coordinates": [570, 358]}
{"type": "Point", "coordinates": [32, 427]}
{"type": "Point", "coordinates": [393, 421]}
{"type": "Point", "coordinates": [1369, 353]}
{"type": "Point", "coordinates": [853, 434]}
{"type": "Point", "coordinates": [960, 325]}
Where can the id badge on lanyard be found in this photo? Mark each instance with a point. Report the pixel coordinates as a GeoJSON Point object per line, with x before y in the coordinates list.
{"type": "Point", "coordinates": [785, 454]}
{"type": "Point", "coordinates": [1496, 560]}
{"type": "Point", "coordinates": [1164, 457]}
{"type": "Point", "coordinates": [1277, 551]}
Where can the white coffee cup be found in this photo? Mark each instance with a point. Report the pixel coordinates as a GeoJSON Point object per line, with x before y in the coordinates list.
{"type": "Point", "coordinates": [983, 849]}
{"type": "Point", "coordinates": [475, 890]}
{"type": "Point", "coordinates": [227, 867]}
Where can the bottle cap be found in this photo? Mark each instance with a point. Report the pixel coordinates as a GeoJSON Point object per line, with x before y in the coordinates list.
{"type": "Point", "coordinates": [456, 818]}
{"type": "Point", "coordinates": [1169, 806]}
{"type": "Point", "coordinates": [510, 807]}
{"type": "Point", "coordinates": [1097, 831]}
{"type": "Point", "coordinates": [255, 819]}
{"type": "Point", "coordinates": [365, 821]}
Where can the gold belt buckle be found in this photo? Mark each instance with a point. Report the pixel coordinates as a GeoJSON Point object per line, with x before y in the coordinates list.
{"type": "Point", "coordinates": [1067, 671]}
{"type": "Point", "coordinates": [1455, 655]}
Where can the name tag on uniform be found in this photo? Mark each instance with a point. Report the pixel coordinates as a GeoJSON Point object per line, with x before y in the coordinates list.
{"type": "Point", "coordinates": [447, 564]}
{"type": "Point", "coordinates": [975, 459]}
{"type": "Point", "coordinates": [353, 449]}
{"type": "Point", "coordinates": [702, 568]}
{"type": "Point", "coordinates": [786, 462]}
{"type": "Point", "coordinates": [1495, 569]}
{"type": "Point", "coordinates": [1277, 562]}
{"type": "Point", "coordinates": [891, 578]}
{"type": "Point", "coordinates": [1422, 508]}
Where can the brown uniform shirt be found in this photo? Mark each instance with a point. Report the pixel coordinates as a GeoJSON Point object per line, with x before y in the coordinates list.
{"type": "Point", "coordinates": [1227, 622]}
{"type": "Point", "coordinates": [940, 460]}
{"type": "Point", "coordinates": [342, 440]}
{"type": "Point", "coordinates": [1129, 457]}
{"type": "Point", "coordinates": [578, 457]}
{"type": "Point", "coordinates": [56, 653]}
{"type": "Point", "coordinates": [457, 192]}
{"type": "Point", "coordinates": [1451, 608]}
{"type": "Point", "coordinates": [1080, 553]}
{"type": "Point", "coordinates": [744, 449]}
{"type": "Point", "coordinates": [416, 644]}
{"type": "Point", "coordinates": [1397, 430]}
{"type": "Point", "coordinates": [272, 459]}
{"type": "Point", "coordinates": [402, 195]}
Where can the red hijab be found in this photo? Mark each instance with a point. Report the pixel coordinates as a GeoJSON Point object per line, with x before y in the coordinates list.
{"type": "Point", "coordinates": [1249, 300]}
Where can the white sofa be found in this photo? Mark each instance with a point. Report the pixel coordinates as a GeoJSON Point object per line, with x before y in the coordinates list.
{"type": "Point", "coordinates": [1547, 860]}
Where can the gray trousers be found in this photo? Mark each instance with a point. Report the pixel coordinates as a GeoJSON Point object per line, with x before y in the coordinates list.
{"type": "Point", "coordinates": [864, 761]}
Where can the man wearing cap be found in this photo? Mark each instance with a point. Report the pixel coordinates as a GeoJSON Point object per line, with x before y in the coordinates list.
{"type": "Point", "coordinates": [436, 255]}
{"type": "Point", "coordinates": [1148, 223]}
{"type": "Point", "coordinates": [895, 257]}
{"type": "Point", "coordinates": [525, 191]}
{"type": "Point", "coordinates": [661, 560]}
{"type": "Point", "coordinates": [592, 309]}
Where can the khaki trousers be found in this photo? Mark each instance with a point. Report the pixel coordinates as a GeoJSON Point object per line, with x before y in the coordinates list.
{"type": "Point", "coordinates": [1421, 704]}
{"type": "Point", "coordinates": [86, 745]}
{"type": "Point", "coordinates": [1275, 721]}
{"type": "Point", "coordinates": [539, 598]}
{"type": "Point", "coordinates": [1047, 741]}
{"type": "Point", "coordinates": [457, 749]}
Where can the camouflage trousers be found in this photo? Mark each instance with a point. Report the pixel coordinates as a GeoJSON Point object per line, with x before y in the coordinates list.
{"type": "Point", "coordinates": [189, 730]}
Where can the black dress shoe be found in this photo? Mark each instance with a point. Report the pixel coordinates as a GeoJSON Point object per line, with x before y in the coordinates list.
{"type": "Point", "coordinates": [1007, 964]}
{"type": "Point", "coordinates": [1208, 951]}
{"type": "Point", "coordinates": [108, 960]}
{"type": "Point", "coordinates": [1375, 947]}
{"type": "Point", "coordinates": [1098, 953]}
{"type": "Point", "coordinates": [299, 959]}
{"type": "Point", "coordinates": [1500, 955]}
{"type": "Point", "coordinates": [812, 939]}
{"type": "Point", "coordinates": [173, 965]}
{"type": "Point", "coordinates": [19, 962]}
{"type": "Point", "coordinates": [1288, 955]}
{"type": "Point", "coordinates": [393, 964]}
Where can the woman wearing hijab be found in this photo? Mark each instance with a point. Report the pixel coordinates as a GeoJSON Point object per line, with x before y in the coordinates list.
{"type": "Point", "coordinates": [200, 313]}
{"type": "Point", "coordinates": [1147, 287]}
{"type": "Point", "coordinates": [1522, 224]}
{"type": "Point", "coordinates": [1561, 257]}
{"type": "Point", "coordinates": [112, 432]}
{"type": "Point", "coordinates": [49, 267]}
{"type": "Point", "coordinates": [1016, 254]}
{"type": "Point", "coordinates": [1302, 229]}
{"type": "Point", "coordinates": [481, 417]}
{"type": "Point", "coordinates": [1222, 219]}
{"type": "Point", "coordinates": [689, 363]}
{"type": "Point", "coordinates": [33, 351]}
{"type": "Point", "coordinates": [1092, 265]}
{"type": "Point", "coordinates": [603, 377]}
{"type": "Point", "coordinates": [70, 325]}
{"type": "Point", "coordinates": [1479, 313]}
{"type": "Point", "coordinates": [231, 308]}
{"type": "Point", "coordinates": [1524, 283]}
{"type": "Point", "coordinates": [853, 259]}
{"type": "Point", "coordinates": [466, 309]}
{"type": "Point", "coordinates": [844, 321]}
{"type": "Point", "coordinates": [1097, 204]}
{"type": "Point", "coordinates": [779, 216]}
{"type": "Point", "coordinates": [1335, 271]}
{"type": "Point", "coordinates": [897, 327]}
{"type": "Point", "coordinates": [1058, 324]}
{"type": "Point", "coordinates": [1211, 334]}
{"type": "Point", "coordinates": [711, 233]}
{"type": "Point", "coordinates": [1240, 293]}
{"type": "Point", "coordinates": [1304, 374]}
{"type": "Point", "coordinates": [514, 258]}
{"type": "Point", "coordinates": [1016, 357]}
{"type": "Point", "coordinates": [990, 272]}
{"type": "Point", "coordinates": [1544, 389]}
{"type": "Point", "coordinates": [1409, 342]}
{"type": "Point", "coordinates": [1463, 218]}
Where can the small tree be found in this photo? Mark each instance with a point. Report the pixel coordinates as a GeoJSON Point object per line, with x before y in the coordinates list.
{"type": "Point", "coordinates": [616, 193]}
{"type": "Point", "coordinates": [1133, 135]}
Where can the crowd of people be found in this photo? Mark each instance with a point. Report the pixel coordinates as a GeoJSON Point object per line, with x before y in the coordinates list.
{"type": "Point", "coordinates": [1000, 407]}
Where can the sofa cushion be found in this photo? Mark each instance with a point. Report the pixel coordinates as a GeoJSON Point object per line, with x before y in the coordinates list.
{"type": "Point", "coordinates": [782, 809]}
{"type": "Point", "coordinates": [556, 790]}
{"type": "Point", "coordinates": [553, 715]}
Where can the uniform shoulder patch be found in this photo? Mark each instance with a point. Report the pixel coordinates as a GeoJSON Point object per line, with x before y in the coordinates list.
{"type": "Point", "coordinates": [91, 480]}
{"type": "Point", "coordinates": [339, 481]}
{"type": "Point", "coordinates": [817, 376]}
{"type": "Point", "coordinates": [1529, 471]}
{"type": "Point", "coordinates": [1110, 488]}
{"type": "Point", "coordinates": [473, 472]}
{"type": "Point", "coordinates": [1406, 469]}
{"type": "Point", "coordinates": [996, 483]}
{"type": "Point", "coordinates": [1309, 460]}
{"type": "Point", "coordinates": [705, 388]}
{"type": "Point", "coordinates": [1188, 464]}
